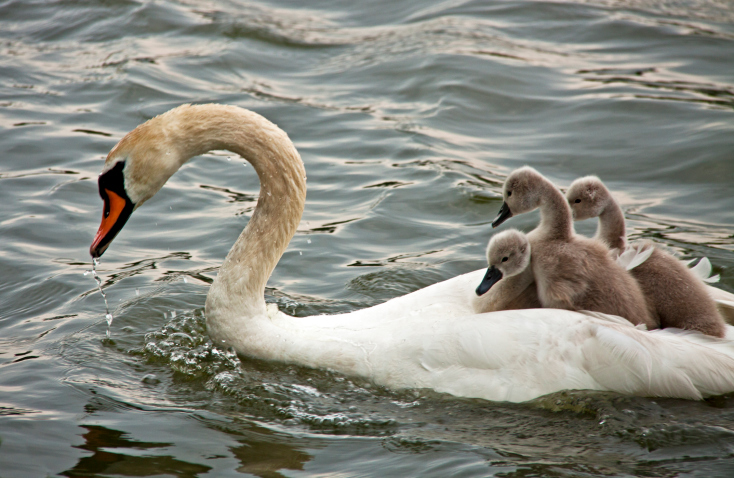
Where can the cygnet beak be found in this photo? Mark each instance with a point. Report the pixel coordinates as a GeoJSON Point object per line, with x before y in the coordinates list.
{"type": "Point", "coordinates": [492, 276]}
{"type": "Point", "coordinates": [503, 215]}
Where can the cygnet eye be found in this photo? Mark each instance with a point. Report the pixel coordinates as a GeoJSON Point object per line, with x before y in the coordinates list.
{"type": "Point", "coordinates": [504, 259]}
{"type": "Point", "coordinates": [577, 201]}
{"type": "Point", "coordinates": [509, 193]}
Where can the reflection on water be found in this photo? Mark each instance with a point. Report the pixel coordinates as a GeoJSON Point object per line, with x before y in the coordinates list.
{"type": "Point", "coordinates": [408, 116]}
{"type": "Point", "coordinates": [263, 458]}
{"type": "Point", "coordinates": [127, 462]}
{"type": "Point", "coordinates": [116, 453]}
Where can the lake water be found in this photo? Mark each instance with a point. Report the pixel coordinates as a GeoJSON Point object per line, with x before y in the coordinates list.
{"type": "Point", "coordinates": [408, 115]}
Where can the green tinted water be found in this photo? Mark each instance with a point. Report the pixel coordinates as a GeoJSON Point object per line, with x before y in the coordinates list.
{"type": "Point", "coordinates": [408, 116]}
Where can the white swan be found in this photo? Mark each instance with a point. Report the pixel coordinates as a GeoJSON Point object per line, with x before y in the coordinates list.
{"type": "Point", "coordinates": [677, 295]}
{"type": "Point", "coordinates": [427, 339]}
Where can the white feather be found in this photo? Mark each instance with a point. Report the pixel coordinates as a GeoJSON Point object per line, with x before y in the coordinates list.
{"type": "Point", "coordinates": [703, 270]}
{"type": "Point", "coordinates": [634, 255]}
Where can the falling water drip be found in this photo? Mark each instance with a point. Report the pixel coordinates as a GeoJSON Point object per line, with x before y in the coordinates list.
{"type": "Point", "coordinates": [107, 316]}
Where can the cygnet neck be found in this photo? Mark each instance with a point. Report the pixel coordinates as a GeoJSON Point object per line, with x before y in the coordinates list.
{"type": "Point", "coordinates": [556, 221]}
{"type": "Point", "coordinates": [611, 229]}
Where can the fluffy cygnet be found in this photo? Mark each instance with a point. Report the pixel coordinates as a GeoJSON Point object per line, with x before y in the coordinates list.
{"type": "Point", "coordinates": [571, 271]}
{"type": "Point", "coordinates": [509, 282]}
{"type": "Point", "coordinates": [678, 297]}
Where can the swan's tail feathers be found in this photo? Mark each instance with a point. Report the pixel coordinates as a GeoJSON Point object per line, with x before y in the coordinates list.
{"type": "Point", "coordinates": [635, 255]}
{"type": "Point", "coordinates": [703, 270]}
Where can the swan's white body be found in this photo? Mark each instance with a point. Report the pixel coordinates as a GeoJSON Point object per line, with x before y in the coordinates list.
{"type": "Point", "coordinates": [431, 338]}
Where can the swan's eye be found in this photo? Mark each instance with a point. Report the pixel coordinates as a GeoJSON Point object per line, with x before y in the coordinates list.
{"type": "Point", "coordinates": [509, 193]}
{"type": "Point", "coordinates": [504, 259]}
{"type": "Point", "coordinates": [577, 201]}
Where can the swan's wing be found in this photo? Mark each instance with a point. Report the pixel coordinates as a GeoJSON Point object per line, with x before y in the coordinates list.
{"type": "Point", "coordinates": [514, 355]}
{"type": "Point", "coordinates": [635, 255]}
{"type": "Point", "coordinates": [633, 362]}
{"type": "Point", "coordinates": [520, 355]}
{"type": "Point", "coordinates": [703, 269]}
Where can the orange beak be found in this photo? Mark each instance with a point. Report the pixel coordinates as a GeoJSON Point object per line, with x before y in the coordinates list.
{"type": "Point", "coordinates": [116, 212]}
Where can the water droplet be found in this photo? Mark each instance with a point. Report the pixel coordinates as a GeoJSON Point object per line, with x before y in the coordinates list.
{"type": "Point", "coordinates": [185, 281]}
{"type": "Point", "coordinates": [137, 291]}
{"type": "Point", "coordinates": [97, 279]}
{"type": "Point", "coordinates": [308, 240]}
{"type": "Point", "coordinates": [109, 318]}
{"type": "Point", "coordinates": [229, 159]}
{"type": "Point", "coordinates": [86, 273]}
{"type": "Point", "coordinates": [300, 253]}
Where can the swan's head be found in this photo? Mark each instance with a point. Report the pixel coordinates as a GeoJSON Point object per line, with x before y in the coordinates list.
{"type": "Point", "coordinates": [587, 197]}
{"type": "Point", "coordinates": [136, 168]}
{"type": "Point", "coordinates": [508, 254]}
{"type": "Point", "coordinates": [521, 193]}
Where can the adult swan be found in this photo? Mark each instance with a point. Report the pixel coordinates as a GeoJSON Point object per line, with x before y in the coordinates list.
{"type": "Point", "coordinates": [431, 338]}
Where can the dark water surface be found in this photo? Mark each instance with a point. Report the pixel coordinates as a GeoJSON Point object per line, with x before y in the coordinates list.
{"type": "Point", "coordinates": [408, 116]}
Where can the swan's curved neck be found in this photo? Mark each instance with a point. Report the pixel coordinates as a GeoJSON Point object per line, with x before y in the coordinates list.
{"type": "Point", "coordinates": [556, 221]}
{"type": "Point", "coordinates": [611, 229]}
{"type": "Point", "coordinates": [239, 288]}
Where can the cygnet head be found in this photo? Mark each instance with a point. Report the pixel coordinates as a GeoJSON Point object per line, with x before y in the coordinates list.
{"type": "Point", "coordinates": [508, 254]}
{"type": "Point", "coordinates": [521, 193]}
{"type": "Point", "coordinates": [587, 197]}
